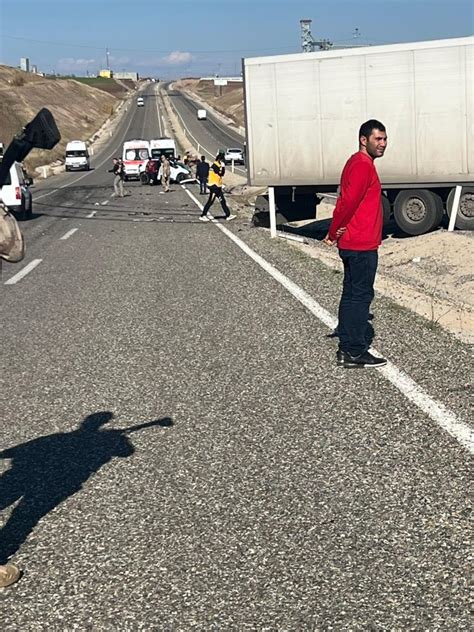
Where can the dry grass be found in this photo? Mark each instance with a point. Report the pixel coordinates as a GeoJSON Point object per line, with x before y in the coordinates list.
{"type": "Point", "coordinates": [79, 109]}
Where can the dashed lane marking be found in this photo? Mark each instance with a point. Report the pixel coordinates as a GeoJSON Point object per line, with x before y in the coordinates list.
{"type": "Point", "coordinates": [435, 410]}
{"type": "Point", "coordinates": [26, 270]}
{"type": "Point", "coordinates": [69, 233]}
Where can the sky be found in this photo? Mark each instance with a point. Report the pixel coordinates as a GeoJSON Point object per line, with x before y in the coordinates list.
{"type": "Point", "coordinates": [179, 38]}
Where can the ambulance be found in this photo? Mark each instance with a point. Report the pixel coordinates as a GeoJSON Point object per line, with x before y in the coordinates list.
{"type": "Point", "coordinates": [162, 146]}
{"type": "Point", "coordinates": [135, 153]}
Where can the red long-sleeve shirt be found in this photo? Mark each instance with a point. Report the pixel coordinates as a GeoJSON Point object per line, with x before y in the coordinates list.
{"type": "Point", "coordinates": [359, 206]}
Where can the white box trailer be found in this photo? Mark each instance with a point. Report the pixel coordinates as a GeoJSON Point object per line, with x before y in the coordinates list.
{"type": "Point", "coordinates": [303, 113]}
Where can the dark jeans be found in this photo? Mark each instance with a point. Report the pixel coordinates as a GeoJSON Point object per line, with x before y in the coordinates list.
{"type": "Point", "coordinates": [202, 185]}
{"type": "Point", "coordinates": [216, 192]}
{"type": "Point", "coordinates": [355, 332]}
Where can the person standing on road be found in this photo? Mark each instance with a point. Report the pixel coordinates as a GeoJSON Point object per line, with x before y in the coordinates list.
{"type": "Point", "coordinates": [119, 171]}
{"type": "Point", "coordinates": [216, 175]}
{"type": "Point", "coordinates": [202, 173]}
{"type": "Point", "coordinates": [356, 228]}
{"type": "Point", "coordinates": [165, 173]}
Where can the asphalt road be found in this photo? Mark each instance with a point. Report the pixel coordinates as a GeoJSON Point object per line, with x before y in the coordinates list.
{"type": "Point", "coordinates": [179, 450]}
{"type": "Point", "coordinates": [211, 134]}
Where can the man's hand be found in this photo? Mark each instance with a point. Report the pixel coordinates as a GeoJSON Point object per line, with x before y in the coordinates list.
{"type": "Point", "coordinates": [339, 233]}
{"type": "Point", "coordinates": [328, 241]}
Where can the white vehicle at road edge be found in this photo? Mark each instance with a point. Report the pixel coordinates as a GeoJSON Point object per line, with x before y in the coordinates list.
{"type": "Point", "coordinates": [15, 193]}
{"type": "Point", "coordinates": [234, 154]}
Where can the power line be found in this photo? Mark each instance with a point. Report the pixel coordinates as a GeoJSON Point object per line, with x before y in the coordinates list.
{"type": "Point", "coordinates": [147, 50]}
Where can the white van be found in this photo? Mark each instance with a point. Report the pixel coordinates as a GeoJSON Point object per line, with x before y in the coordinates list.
{"type": "Point", "coordinates": [140, 102]}
{"type": "Point", "coordinates": [77, 156]}
{"type": "Point", "coordinates": [135, 153]}
{"type": "Point", "coordinates": [162, 146]}
{"type": "Point", "coordinates": [202, 115]}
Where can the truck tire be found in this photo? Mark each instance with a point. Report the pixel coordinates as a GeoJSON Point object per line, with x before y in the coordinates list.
{"type": "Point", "coordinates": [417, 211]}
{"type": "Point", "coordinates": [465, 216]}
{"type": "Point", "coordinates": [386, 209]}
{"type": "Point", "coordinates": [28, 212]}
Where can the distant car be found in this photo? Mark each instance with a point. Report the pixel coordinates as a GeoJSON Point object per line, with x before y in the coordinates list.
{"type": "Point", "coordinates": [140, 102]}
{"type": "Point", "coordinates": [16, 194]}
{"type": "Point", "coordinates": [202, 115]}
{"type": "Point", "coordinates": [234, 154]}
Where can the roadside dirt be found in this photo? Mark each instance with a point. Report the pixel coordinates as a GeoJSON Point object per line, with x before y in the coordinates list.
{"type": "Point", "coordinates": [79, 109]}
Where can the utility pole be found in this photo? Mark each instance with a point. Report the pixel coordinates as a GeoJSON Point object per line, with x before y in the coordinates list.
{"type": "Point", "coordinates": [107, 57]}
{"type": "Point", "coordinates": [308, 43]}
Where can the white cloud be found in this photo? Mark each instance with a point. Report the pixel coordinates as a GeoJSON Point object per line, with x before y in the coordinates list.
{"type": "Point", "coordinates": [177, 58]}
{"type": "Point", "coordinates": [72, 63]}
{"type": "Point", "coordinates": [119, 60]}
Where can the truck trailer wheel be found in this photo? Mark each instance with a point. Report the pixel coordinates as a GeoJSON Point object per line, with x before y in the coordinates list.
{"type": "Point", "coordinates": [417, 211]}
{"type": "Point", "coordinates": [465, 216]}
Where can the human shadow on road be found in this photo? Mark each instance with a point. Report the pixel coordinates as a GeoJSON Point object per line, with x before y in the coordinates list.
{"type": "Point", "coordinates": [47, 470]}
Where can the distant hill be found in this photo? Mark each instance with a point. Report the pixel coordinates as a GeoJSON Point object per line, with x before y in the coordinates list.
{"type": "Point", "coordinates": [231, 104]}
{"type": "Point", "coordinates": [80, 107]}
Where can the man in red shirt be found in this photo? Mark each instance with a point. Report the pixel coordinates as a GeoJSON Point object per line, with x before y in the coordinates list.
{"type": "Point", "coordinates": [356, 228]}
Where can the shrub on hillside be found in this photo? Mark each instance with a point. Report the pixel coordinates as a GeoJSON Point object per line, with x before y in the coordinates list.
{"type": "Point", "coordinates": [17, 80]}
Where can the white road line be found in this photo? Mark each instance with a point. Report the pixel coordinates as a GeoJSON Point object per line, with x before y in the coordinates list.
{"type": "Point", "coordinates": [436, 411]}
{"type": "Point", "coordinates": [105, 203]}
{"type": "Point", "coordinates": [69, 233]}
{"type": "Point", "coordinates": [91, 214]}
{"type": "Point", "coordinates": [45, 195]}
{"type": "Point", "coordinates": [26, 270]}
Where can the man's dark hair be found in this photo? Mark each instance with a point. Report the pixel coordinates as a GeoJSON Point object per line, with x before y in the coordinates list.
{"type": "Point", "coordinates": [367, 128]}
{"type": "Point", "coordinates": [203, 158]}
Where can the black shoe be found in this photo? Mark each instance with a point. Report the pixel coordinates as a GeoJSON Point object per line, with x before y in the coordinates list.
{"type": "Point", "coordinates": [365, 360]}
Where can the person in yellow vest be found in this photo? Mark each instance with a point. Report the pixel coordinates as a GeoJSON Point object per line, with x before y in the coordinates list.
{"type": "Point", "coordinates": [214, 183]}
